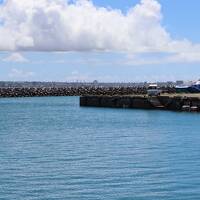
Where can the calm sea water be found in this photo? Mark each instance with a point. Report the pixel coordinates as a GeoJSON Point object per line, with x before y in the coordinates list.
{"type": "Point", "coordinates": [50, 148]}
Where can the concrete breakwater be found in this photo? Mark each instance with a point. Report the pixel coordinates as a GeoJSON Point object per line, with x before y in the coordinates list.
{"type": "Point", "coordinates": [72, 91]}
{"type": "Point", "coordinates": [175, 103]}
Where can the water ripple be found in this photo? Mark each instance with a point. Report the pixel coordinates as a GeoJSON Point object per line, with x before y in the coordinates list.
{"type": "Point", "coordinates": [53, 149]}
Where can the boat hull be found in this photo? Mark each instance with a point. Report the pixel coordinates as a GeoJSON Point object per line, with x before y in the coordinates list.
{"type": "Point", "coordinates": [188, 89]}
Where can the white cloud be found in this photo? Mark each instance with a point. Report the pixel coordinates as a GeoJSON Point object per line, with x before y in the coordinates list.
{"type": "Point", "coordinates": [57, 25]}
{"type": "Point", "coordinates": [20, 74]}
{"type": "Point", "coordinates": [185, 57]}
{"type": "Point", "coordinates": [15, 57]}
{"type": "Point", "coordinates": [172, 58]}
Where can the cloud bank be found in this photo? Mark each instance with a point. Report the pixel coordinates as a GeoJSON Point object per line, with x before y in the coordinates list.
{"type": "Point", "coordinates": [60, 25]}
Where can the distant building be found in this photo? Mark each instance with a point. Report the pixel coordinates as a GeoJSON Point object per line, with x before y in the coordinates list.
{"type": "Point", "coordinates": [179, 82]}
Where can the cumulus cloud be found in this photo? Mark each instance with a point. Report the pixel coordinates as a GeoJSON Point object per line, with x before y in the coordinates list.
{"type": "Point", "coordinates": [60, 25]}
{"type": "Point", "coordinates": [15, 57]}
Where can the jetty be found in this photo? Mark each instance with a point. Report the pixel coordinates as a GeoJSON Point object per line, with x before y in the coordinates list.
{"type": "Point", "coordinates": [173, 102]}
{"type": "Point", "coordinates": [111, 97]}
{"type": "Point", "coordinates": [56, 90]}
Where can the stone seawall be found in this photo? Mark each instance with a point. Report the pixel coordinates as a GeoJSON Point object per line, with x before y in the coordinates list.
{"type": "Point", "coordinates": [72, 91]}
{"type": "Point", "coordinates": [175, 103]}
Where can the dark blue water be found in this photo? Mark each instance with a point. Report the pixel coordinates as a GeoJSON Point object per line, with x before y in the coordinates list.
{"type": "Point", "coordinates": [50, 148]}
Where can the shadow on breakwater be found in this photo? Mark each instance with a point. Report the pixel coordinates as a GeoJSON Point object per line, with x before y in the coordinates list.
{"type": "Point", "coordinates": [164, 102]}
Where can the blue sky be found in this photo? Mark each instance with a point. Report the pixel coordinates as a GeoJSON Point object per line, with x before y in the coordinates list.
{"type": "Point", "coordinates": [179, 19]}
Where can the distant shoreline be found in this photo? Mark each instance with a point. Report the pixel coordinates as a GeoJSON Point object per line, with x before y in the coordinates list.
{"type": "Point", "coordinates": [43, 84]}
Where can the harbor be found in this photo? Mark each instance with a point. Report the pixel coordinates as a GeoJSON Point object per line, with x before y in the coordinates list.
{"type": "Point", "coordinates": [154, 98]}
{"type": "Point", "coordinates": [99, 100]}
{"type": "Point", "coordinates": [135, 97]}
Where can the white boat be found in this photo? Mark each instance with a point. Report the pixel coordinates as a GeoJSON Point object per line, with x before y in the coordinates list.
{"type": "Point", "coordinates": [193, 88]}
{"type": "Point", "coordinates": [153, 90]}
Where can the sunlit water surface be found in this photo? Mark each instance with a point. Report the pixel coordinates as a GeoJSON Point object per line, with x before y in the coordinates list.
{"type": "Point", "coordinates": [50, 148]}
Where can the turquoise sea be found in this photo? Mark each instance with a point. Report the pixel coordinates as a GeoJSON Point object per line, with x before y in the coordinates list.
{"type": "Point", "coordinates": [50, 149]}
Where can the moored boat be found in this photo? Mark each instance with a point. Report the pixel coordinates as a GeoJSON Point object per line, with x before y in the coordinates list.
{"type": "Point", "coordinates": [193, 88]}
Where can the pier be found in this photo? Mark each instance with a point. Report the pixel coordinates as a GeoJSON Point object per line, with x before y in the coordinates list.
{"type": "Point", "coordinates": [113, 97]}
{"type": "Point", "coordinates": [174, 102]}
